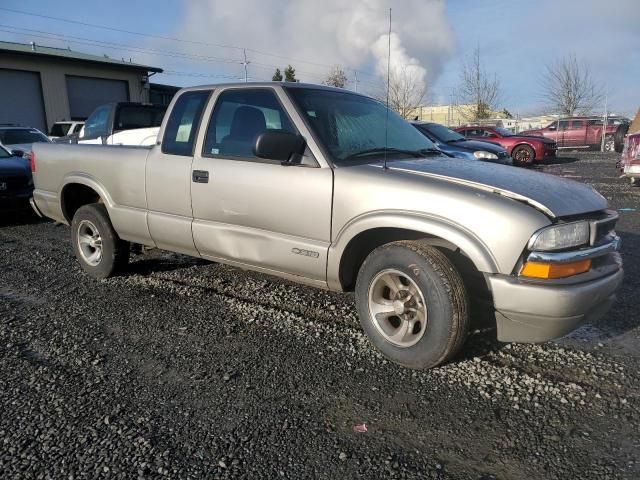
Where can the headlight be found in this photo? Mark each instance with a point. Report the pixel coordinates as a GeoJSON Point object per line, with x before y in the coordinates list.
{"type": "Point", "coordinates": [559, 237]}
{"type": "Point", "coordinates": [482, 155]}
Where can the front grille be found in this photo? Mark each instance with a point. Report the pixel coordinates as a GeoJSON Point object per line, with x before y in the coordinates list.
{"type": "Point", "coordinates": [602, 229]}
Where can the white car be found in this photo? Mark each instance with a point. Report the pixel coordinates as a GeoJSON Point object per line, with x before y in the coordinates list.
{"type": "Point", "coordinates": [124, 123]}
{"type": "Point", "coordinates": [64, 128]}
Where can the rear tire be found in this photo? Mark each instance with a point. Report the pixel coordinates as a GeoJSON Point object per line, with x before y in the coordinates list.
{"type": "Point", "coordinates": [412, 304]}
{"type": "Point", "coordinates": [96, 244]}
{"type": "Point", "coordinates": [523, 155]}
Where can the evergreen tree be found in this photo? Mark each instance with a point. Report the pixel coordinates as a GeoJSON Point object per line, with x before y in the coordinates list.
{"type": "Point", "coordinates": [290, 74]}
{"type": "Point", "coordinates": [277, 77]}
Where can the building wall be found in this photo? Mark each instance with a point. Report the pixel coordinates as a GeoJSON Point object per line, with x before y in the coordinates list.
{"type": "Point", "coordinates": [54, 88]}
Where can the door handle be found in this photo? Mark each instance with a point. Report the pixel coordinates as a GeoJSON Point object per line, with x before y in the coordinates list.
{"type": "Point", "coordinates": [200, 176]}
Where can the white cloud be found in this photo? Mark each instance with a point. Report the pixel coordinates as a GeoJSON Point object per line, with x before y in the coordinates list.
{"type": "Point", "coordinates": [350, 33]}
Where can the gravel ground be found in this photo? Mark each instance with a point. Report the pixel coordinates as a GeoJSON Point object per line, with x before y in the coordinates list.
{"type": "Point", "coordinates": [187, 369]}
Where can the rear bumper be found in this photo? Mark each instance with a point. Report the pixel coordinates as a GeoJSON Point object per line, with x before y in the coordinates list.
{"type": "Point", "coordinates": [531, 313]}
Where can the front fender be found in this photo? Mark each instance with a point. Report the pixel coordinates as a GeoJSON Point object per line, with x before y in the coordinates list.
{"type": "Point", "coordinates": [429, 225]}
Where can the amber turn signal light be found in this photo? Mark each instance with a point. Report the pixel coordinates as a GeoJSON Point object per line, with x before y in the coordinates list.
{"type": "Point", "coordinates": [554, 270]}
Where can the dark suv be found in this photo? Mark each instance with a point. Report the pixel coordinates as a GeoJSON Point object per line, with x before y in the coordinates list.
{"type": "Point", "coordinates": [16, 183]}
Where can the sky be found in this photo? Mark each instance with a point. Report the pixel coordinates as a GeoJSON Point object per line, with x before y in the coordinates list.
{"type": "Point", "coordinates": [202, 41]}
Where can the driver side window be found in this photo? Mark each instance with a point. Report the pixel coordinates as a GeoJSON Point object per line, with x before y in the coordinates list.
{"type": "Point", "coordinates": [239, 117]}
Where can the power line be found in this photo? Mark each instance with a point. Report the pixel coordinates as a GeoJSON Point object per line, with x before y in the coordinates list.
{"type": "Point", "coordinates": [120, 46]}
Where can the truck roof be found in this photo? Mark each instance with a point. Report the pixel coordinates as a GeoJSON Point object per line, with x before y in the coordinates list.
{"type": "Point", "coordinates": [313, 86]}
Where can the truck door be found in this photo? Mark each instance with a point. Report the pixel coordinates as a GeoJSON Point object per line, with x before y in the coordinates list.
{"type": "Point", "coordinates": [575, 134]}
{"type": "Point", "coordinates": [252, 211]}
{"type": "Point", "coordinates": [168, 175]}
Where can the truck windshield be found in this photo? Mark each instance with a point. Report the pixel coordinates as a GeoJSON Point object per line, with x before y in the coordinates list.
{"type": "Point", "coordinates": [352, 127]}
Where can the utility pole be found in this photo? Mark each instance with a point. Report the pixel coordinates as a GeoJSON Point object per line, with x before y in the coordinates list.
{"type": "Point", "coordinates": [356, 76]}
{"type": "Point", "coordinates": [603, 142]}
{"type": "Point", "coordinates": [245, 63]}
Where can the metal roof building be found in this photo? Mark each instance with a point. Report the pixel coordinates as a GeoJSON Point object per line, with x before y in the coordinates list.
{"type": "Point", "coordinates": [41, 85]}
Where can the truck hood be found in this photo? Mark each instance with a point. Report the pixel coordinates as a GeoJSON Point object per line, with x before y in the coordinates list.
{"type": "Point", "coordinates": [554, 196]}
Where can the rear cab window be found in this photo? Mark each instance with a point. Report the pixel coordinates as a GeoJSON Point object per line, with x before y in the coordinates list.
{"type": "Point", "coordinates": [60, 129]}
{"type": "Point", "coordinates": [183, 122]}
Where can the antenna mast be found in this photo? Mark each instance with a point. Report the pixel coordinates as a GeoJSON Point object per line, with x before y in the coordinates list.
{"type": "Point", "coordinates": [386, 120]}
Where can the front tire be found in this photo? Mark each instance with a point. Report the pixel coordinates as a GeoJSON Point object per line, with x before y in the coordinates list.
{"type": "Point", "coordinates": [96, 244]}
{"type": "Point", "coordinates": [523, 155]}
{"type": "Point", "coordinates": [412, 304]}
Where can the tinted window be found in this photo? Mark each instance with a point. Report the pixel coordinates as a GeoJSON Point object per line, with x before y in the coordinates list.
{"type": "Point", "coordinates": [577, 124]}
{"type": "Point", "coordinates": [440, 132]}
{"type": "Point", "coordinates": [595, 122]}
{"type": "Point", "coordinates": [78, 127]}
{"type": "Point", "coordinates": [15, 136]}
{"type": "Point", "coordinates": [96, 124]}
{"type": "Point", "coordinates": [180, 132]}
{"type": "Point", "coordinates": [474, 132]}
{"type": "Point", "coordinates": [239, 117]}
{"type": "Point", "coordinates": [131, 117]}
{"type": "Point", "coordinates": [349, 124]}
{"type": "Point", "coordinates": [60, 129]}
{"type": "Point", "coordinates": [502, 131]}
{"type": "Point", "coordinates": [563, 124]}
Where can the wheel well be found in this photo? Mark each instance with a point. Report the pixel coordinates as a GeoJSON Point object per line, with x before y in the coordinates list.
{"type": "Point", "coordinates": [475, 283]}
{"type": "Point", "coordinates": [76, 195]}
{"type": "Point", "coordinates": [524, 145]}
{"type": "Point", "coordinates": [365, 242]}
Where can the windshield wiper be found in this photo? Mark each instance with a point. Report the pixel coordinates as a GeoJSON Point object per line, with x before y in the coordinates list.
{"type": "Point", "coordinates": [381, 150]}
{"type": "Point", "coordinates": [430, 152]}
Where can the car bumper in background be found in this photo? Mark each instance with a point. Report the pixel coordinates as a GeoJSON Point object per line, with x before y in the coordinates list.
{"type": "Point", "coordinates": [13, 201]}
{"type": "Point", "coordinates": [632, 171]}
{"type": "Point", "coordinates": [531, 313]}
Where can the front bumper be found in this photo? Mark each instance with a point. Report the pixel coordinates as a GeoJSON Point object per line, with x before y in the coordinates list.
{"type": "Point", "coordinates": [632, 171]}
{"type": "Point", "coordinates": [530, 313]}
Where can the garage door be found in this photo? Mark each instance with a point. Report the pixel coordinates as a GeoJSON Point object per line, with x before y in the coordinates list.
{"type": "Point", "coordinates": [21, 99]}
{"type": "Point", "coordinates": [85, 94]}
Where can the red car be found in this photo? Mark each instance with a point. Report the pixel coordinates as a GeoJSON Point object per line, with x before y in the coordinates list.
{"type": "Point", "coordinates": [524, 150]}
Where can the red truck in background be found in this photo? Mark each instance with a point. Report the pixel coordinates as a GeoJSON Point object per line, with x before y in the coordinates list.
{"type": "Point", "coordinates": [584, 132]}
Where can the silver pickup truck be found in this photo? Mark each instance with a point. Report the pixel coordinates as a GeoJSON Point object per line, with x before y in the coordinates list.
{"type": "Point", "coordinates": [327, 187]}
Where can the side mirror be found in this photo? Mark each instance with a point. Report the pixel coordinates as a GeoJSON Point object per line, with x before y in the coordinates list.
{"type": "Point", "coordinates": [81, 133]}
{"type": "Point", "coordinates": [17, 153]}
{"type": "Point", "coordinates": [280, 145]}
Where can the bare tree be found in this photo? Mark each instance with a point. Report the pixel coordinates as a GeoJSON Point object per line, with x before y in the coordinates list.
{"type": "Point", "coordinates": [407, 90]}
{"type": "Point", "coordinates": [336, 78]}
{"type": "Point", "coordinates": [478, 92]}
{"type": "Point", "coordinates": [569, 88]}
